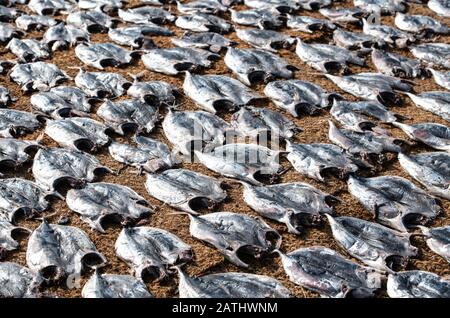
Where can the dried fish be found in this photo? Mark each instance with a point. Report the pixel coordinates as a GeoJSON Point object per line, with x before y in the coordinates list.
{"type": "Point", "coordinates": [441, 7]}
{"type": "Point", "coordinates": [18, 281]}
{"type": "Point", "coordinates": [16, 122]}
{"type": "Point", "coordinates": [102, 84]}
{"type": "Point", "coordinates": [265, 39]}
{"type": "Point", "coordinates": [309, 24]}
{"type": "Point", "coordinates": [282, 6]}
{"type": "Point", "coordinates": [114, 286]}
{"type": "Point", "coordinates": [62, 36]}
{"type": "Point", "coordinates": [344, 15]}
{"type": "Point", "coordinates": [5, 97]}
{"type": "Point", "coordinates": [356, 40]}
{"type": "Point", "coordinates": [441, 78]}
{"type": "Point", "coordinates": [142, 15]}
{"type": "Point", "coordinates": [381, 6]}
{"type": "Point", "coordinates": [434, 135]}
{"type": "Point", "coordinates": [266, 18]}
{"type": "Point", "coordinates": [7, 32]}
{"type": "Point", "coordinates": [388, 34]}
{"type": "Point", "coordinates": [204, 40]}
{"type": "Point", "coordinates": [396, 65]}
{"type": "Point", "coordinates": [417, 284]}
{"type": "Point", "coordinates": [202, 22]}
{"type": "Point", "coordinates": [433, 53]}
{"type": "Point", "coordinates": [155, 92]}
{"type": "Point", "coordinates": [37, 76]}
{"type": "Point", "coordinates": [15, 152]}
{"type": "Point", "coordinates": [100, 55]}
{"type": "Point", "coordinates": [28, 50]}
{"type": "Point", "coordinates": [438, 240]}
{"type": "Point", "coordinates": [419, 24]}
{"type": "Point", "coordinates": [201, 6]}
{"type": "Point", "coordinates": [138, 36]}
{"type": "Point", "coordinates": [92, 21]}
{"type": "Point", "coordinates": [434, 102]}
{"type": "Point", "coordinates": [34, 22]}
{"type": "Point", "coordinates": [50, 7]}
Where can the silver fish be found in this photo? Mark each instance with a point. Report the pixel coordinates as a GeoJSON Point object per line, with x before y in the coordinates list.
{"type": "Point", "coordinates": [138, 36]}
{"type": "Point", "coordinates": [142, 15]}
{"type": "Point", "coordinates": [282, 6]}
{"type": "Point", "coordinates": [100, 201]}
{"type": "Point", "coordinates": [107, 6]}
{"type": "Point", "coordinates": [330, 274]}
{"type": "Point", "coordinates": [175, 60]}
{"type": "Point", "coordinates": [297, 96]}
{"type": "Point", "coordinates": [381, 6]}
{"type": "Point", "coordinates": [201, 6]}
{"type": "Point", "coordinates": [50, 7]}
{"type": "Point", "coordinates": [100, 55]}
{"type": "Point", "coordinates": [34, 22]}
{"type": "Point", "coordinates": [313, 5]}
{"type": "Point", "coordinates": [202, 22]}
{"type": "Point", "coordinates": [185, 190]}
{"type": "Point", "coordinates": [417, 284]}
{"type": "Point", "coordinates": [129, 115]}
{"type": "Point", "coordinates": [253, 65]}
{"type": "Point", "coordinates": [294, 204]}
{"type": "Point", "coordinates": [327, 58]}
{"type": "Point", "coordinates": [246, 162]}
{"type": "Point", "coordinates": [394, 201]}
{"type": "Point", "coordinates": [396, 65]}
{"type": "Point", "coordinates": [419, 24]}
{"type": "Point", "coordinates": [265, 39]}
{"type": "Point", "coordinates": [217, 92]}
{"type": "Point", "coordinates": [431, 169]}
{"type": "Point", "coordinates": [388, 34]}
{"type": "Point", "coordinates": [150, 252]}
{"type": "Point", "coordinates": [441, 78]}
{"type": "Point", "coordinates": [267, 18]}
{"type": "Point", "coordinates": [92, 21]}
{"type": "Point", "coordinates": [37, 76]}
{"type": "Point", "coordinates": [356, 40]}
{"type": "Point", "coordinates": [441, 7]}
{"type": "Point", "coordinates": [149, 155]}
{"type": "Point", "coordinates": [8, 31]}
{"type": "Point", "coordinates": [211, 41]}
{"type": "Point", "coordinates": [102, 84]}
{"type": "Point", "coordinates": [434, 102]}
{"type": "Point", "coordinates": [234, 234]}
{"type": "Point", "coordinates": [8, 14]}
{"type": "Point", "coordinates": [18, 281]}
{"type": "Point", "coordinates": [309, 24]}
{"type": "Point", "coordinates": [317, 161]}
{"type": "Point", "coordinates": [155, 92]}
{"type": "Point", "coordinates": [5, 97]}
{"type": "Point", "coordinates": [192, 130]}
{"type": "Point", "coordinates": [438, 240]}
{"type": "Point", "coordinates": [15, 152]}
{"type": "Point", "coordinates": [55, 165]}
{"type": "Point", "coordinates": [231, 285]}
{"type": "Point", "coordinates": [254, 121]}
{"type": "Point", "coordinates": [8, 237]}
{"type": "Point", "coordinates": [114, 286]}
{"type": "Point", "coordinates": [434, 135]}
{"type": "Point", "coordinates": [62, 36]}
{"type": "Point", "coordinates": [28, 50]}
{"type": "Point", "coordinates": [16, 122]}
{"type": "Point", "coordinates": [372, 243]}
{"type": "Point", "coordinates": [433, 53]}
{"type": "Point", "coordinates": [57, 251]}
{"type": "Point", "coordinates": [344, 15]}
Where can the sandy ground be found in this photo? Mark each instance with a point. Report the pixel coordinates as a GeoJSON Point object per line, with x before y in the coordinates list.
{"type": "Point", "coordinates": [207, 260]}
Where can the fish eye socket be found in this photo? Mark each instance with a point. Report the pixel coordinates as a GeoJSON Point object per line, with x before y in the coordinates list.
{"type": "Point", "coordinates": [49, 272]}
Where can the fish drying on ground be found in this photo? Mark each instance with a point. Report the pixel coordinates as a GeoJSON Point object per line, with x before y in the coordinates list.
{"type": "Point", "coordinates": [201, 22]}
{"type": "Point", "coordinates": [438, 240]}
{"type": "Point", "coordinates": [151, 252]}
{"type": "Point", "coordinates": [57, 251]}
{"type": "Point", "coordinates": [396, 65]}
{"type": "Point", "coordinates": [246, 162]}
{"type": "Point", "coordinates": [394, 201]}
{"type": "Point", "coordinates": [263, 122]}
{"type": "Point", "coordinates": [28, 50]}
{"type": "Point", "coordinates": [417, 284]}
{"type": "Point", "coordinates": [356, 41]}
{"type": "Point", "coordinates": [155, 92]}
{"type": "Point", "coordinates": [143, 15]}
{"type": "Point", "coordinates": [327, 58]}
{"type": "Point", "coordinates": [318, 161]}
{"type": "Point", "coordinates": [18, 281]}
{"type": "Point", "coordinates": [235, 235]}
{"type": "Point", "coordinates": [388, 34]}
{"type": "Point", "coordinates": [8, 14]}
{"type": "Point", "coordinates": [431, 169]}
{"type": "Point", "coordinates": [9, 234]}
{"type": "Point", "coordinates": [15, 152]}
{"type": "Point", "coordinates": [434, 135]}
{"type": "Point", "coordinates": [185, 190]}
{"type": "Point", "coordinates": [8, 31]}
{"type": "Point", "coordinates": [102, 84]}
{"type": "Point", "coordinates": [194, 130]}
{"type": "Point", "coordinates": [34, 22]}
{"type": "Point", "coordinates": [92, 21]}
{"type": "Point", "coordinates": [37, 76]}
{"type": "Point", "coordinates": [77, 133]}
{"type": "Point", "coordinates": [50, 7]}
{"type": "Point", "coordinates": [344, 15]}
{"type": "Point", "coordinates": [387, 7]}
{"type": "Point", "coordinates": [5, 97]}
{"type": "Point", "coordinates": [218, 92]}
{"type": "Point", "coordinates": [372, 86]}
{"type": "Point", "coordinates": [372, 243]}
{"type": "Point", "coordinates": [62, 101]}
{"type": "Point", "coordinates": [434, 102]}
{"type": "Point", "coordinates": [441, 7]}
{"type": "Point", "coordinates": [313, 5]}
{"type": "Point", "coordinates": [211, 41]}
{"type": "Point", "coordinates": [441, 78]}
{"type": "Point", "coordinates": [114, 286]}
{"type": "Point", "coordinates": [202, 6]}
{"type": "Point", "coordinates": [309, 24]}
{"type": "Point", "coordinates": [254, 65]}
{"type": "Point", "coordinates": [107, 6]}
{"type": "Point", "coordinates": [420, 24]}
{"type": "Point", "coordinates": [294, 204]}
{"type": "Point", "coordinates": [138, 36]}
{"type": "Point", "coordinates": [53, 166]}
{"type": "Point", "coordinates": [62, 36]}
{"type": "Point", "coordinates": [101, 55]}
{"type": "Point", "coordinates": [16, 122]}
{"type": "Point", "coordinates": [149, 155]}
{"type": "Point", "coordinates": [172, 61]}
{"type": "Point", "coordinates": [129, 115]}
{"type": "Point", "coordinates": [282, 6]}
{"type": "Point", "coordinates": [99, 202]}
{"type": "Point", "coordinates": [231, 285]}
{"type": "Point", "coordinates": [266, 18]}
{"type": "Point", "coordinates": [433, 53]}
{"type": "Point", "coordinates": [330, 274]}
{"type": "Point", "coordinates": [297, 96]}
{"type": "Point", "coordinates": [265, 39]}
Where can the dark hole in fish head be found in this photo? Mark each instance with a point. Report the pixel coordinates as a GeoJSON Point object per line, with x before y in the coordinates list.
{"type": "Point", "coordinates": [103, 94]}
{"type": "Point", "coordinates": [334, 67]}
{"type": "Point", "coordinates": [256, 77]}
{"type": "Point", "coordinates": [19, 233]}
{"type": "Point", "coordinates": [396, 262]}
{"type": "Point", "coordinates": [399, 72]}
{"type": "Point", "coordinates": [307, 108]}
{"type": "Point", "coordinates": [264, 177]}
{"type": "Point", "coordinates": [51, 273]}
{"type": "Point", "coordinates": [129, 128]}
{"type": "Point", "coordinates": [153, 273]}
{"type": "Point", "coordinates": [64, 184]}
{"type": "Point", "coordinates": [201, 204]}
{"type": "Point", "coordinates": [93, 260]}
{"type": "Point", "coordinates": [109, 62]}
{"type": "Point", "coordinates": [97, 28]}
{"type": "Point", "coordinates": [48, 11]}
{"type": "Point", "coordinates": [84, 144]}
{"type": "Point", "coordinates": [224, 105]}
{"type": "Point", "coordinates": [366, 125]}
{"type": "Point", "coordinates": [185, 66]}
{"type": "Point", "coordinates": [389, 98]}
{"type": "Point", "coordinates": [315, 6]}
{"type": "Point", "coordinates": [328, 172]}
{"type": "Point", "coordinates": [414, 219]}
{"type": "Point", "coordinates": [110, 10]}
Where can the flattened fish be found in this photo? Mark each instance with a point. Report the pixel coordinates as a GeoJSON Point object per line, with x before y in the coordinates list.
{"type": "Point", "coordinates": [441, 7]}
{"type": "Point", "coordinates": [294, 204]}
{"type": "Point", "coordinates": [15, 152]}
{"type": "Point", "coordinates": [265, 39]}
{"type": "Point", "coordinates": [102, 84]}
{"type": "Point", "coordinates": [420, 24]}
{"type": "Point", "coordinates": [16, 122]}
{"type": "Point", "coordinates": [155, 92]}
{"type": "Point", "coordinates": [8, 238]}
{"type": "Point", "coordinates": [282, 6]}
{"type": "Point", "coordinates": [202, 22]}
{"type": "Point", "coordinates": [57, 251]}
{"type": "Point", "coordinates": [417, 284]}
{"type": "Point", "coordinates": [114, 286]}
{"type": "Point", "coordinates": [431, 169]}
{"type": "Point", "coordinates": [92, 21]}
{"type": "Point", "coordinates": [28, 50]}
{"type": "Point", "coordinates": [356, 40]}
{"type": "Point", "coordinates": [142, 15]}
{"type": "Point", "coordinates": [202, 6]}
{"type": "Point", "coordinates": [388, 34]}
{"type": "Point", "coordinates": [434, 135]}
{"type": "Point", "coordinates": [8, 31]}
{"type": "Point", "coordinates": [172, 61]}
{"type": "Point", "coordinates": [297, 96]}
{"type": "Point", "coordinates": [231, 285]}
{"type": "Point", "coordinates": [107, 6]}
{"type": "Point", "coordinates": [433, 53]}
{"type": "Point", "coordinates": [381, 6]}
{"type": "Point", "coordinates": [344, 15]}
{"type": "Point", "coordinates": [149, 155]}
{"type": "Point", "coordinates": [100, 201]}
{"type": "Point", "coordinates": [34, 22]}
{"type": "Point", "coordinates": [5, 97]}
{"type": "Point", "coordinates": [100, 55]}
{"type": "Point", "coordinates": [37, 76]}
{"type": "Point", "coordinates": [246, 162]}
{"type": "Point", "coordinates": [50, 7]}
{"type": "Point", "coordinates": [151, 252]}
{"type": "Point", "coordinates": [438, 240]}
{"type": "Point", "coordinates": [434, 102]}
{"type": "Point", "coordinates": [129, 115]}
{"type": "Point", "coordinates": [185, 190]}
{"type": "Point", "coordinates": [62, 36]}
{"type": "Point", "coordinates": [320, 160]}
{"type": "Point", "coordinates": [203, 40]}
{"type": "Point", "coordinates": [309, 24]}
{"type": "Point", "coordinates": [253, 65]}
{"type": "Point", "coordinates": [394, 201]}
{"type": "Point", "coordinates": [217, 92]}
{"type": "Point", "coordinates": [234, 234]}
{"type": "Point", "coordinates": [18, 281]}
{"type": "Point", "coordinates": [330, 274]}
{"type": "Point", "coordinates": [372, 243]}
{"type": "Point", "coordinates": [396, 65]}
{"type": "Point", "coordinates": [55, 165]}
{"type": "Point", "coordinates": [441, 78]}
{"type": "Point", "coordinates": [138, 36]}
{"type": "Point", "coordinates": [266, 18]}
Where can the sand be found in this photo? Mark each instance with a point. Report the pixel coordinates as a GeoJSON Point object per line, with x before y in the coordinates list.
{"type": "Point", "coordinates": [206, 259]}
